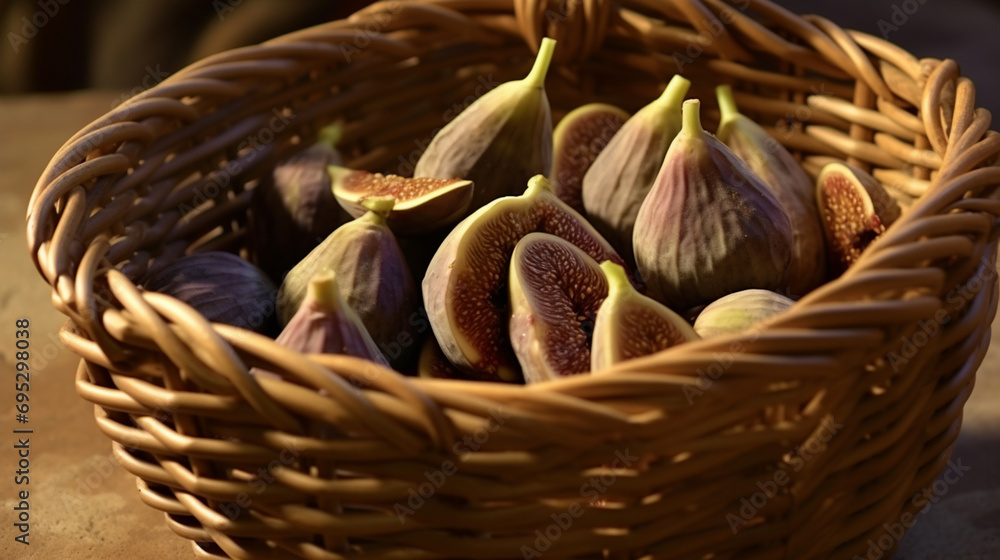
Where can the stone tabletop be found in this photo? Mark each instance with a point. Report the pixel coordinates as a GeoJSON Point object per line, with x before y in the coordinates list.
{"type": "Point", "coordinates": [83, 505]}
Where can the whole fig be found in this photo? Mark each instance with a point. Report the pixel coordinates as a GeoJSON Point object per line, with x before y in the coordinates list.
{"type": "Point", "coordinates": [739, 311]}
{"type": "Point", "coordinates": [708, 226]}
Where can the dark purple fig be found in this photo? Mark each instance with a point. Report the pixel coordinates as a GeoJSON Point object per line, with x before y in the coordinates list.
{"type": "Point", "coordinates": [709, 226]}
{"type": "Point", "coordinates": [555, 292]}
{"type": "Point", "coordinates": [577, 141]}
{"type": "Point", "coordinates": [293, 208]}
{"type": "Point", "coordinates": [222, 287]}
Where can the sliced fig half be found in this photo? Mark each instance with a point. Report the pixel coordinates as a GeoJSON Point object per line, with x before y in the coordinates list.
{"type": "Point", "coordinates": [578, 139]}
{"type": "Point", "coordinates": [555, 292]}
{"type": "Point", "coordinates": [465, 287]}
{"type": "Point", "coordinates": [422, 205]}
{"type": "Point", "coordinates": [630, 325]}
{"type": "Point", "coordinates": [856, 209]}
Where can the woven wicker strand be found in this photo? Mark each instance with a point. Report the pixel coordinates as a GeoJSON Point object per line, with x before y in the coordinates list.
{"type": "Point", "coordinates": [847, 397]}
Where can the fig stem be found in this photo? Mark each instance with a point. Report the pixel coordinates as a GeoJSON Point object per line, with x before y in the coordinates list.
{"type": "Point", "coordinates": [617, 280]}
{"type": "Point", "coordinates": [691, 116]}
{"type": "Point", "coordinates": [323, 291]}
{"type": "Point", "coordinates": [330, 135]}
{"type": "Point", "coordinates": [727, 103]}
{"type": "Point", "coordinates": [675, 91]}
{"type": "Point", "coordinates": [537, 184]}
{"type": "Point", "coordinates": [381, 206]}
{"type": "Point", "coordinates": [541, 68]}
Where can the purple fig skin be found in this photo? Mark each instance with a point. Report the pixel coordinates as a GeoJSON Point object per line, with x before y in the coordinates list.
{"type": "Point", "coordinates": [325, 324]}
{"type": "Point", "coordinates": [500, 141]}
{"type": "Point", "coordinates": [788, 182]}
{"type": "Point", "coordinates": [222, 287]}
{"type": "Point", "coordinates": [373, 276]}
{"type": "Point", "coordinates": [621, 176]}
{"type": "Point", "coordinates": [709, 226]}
{"type": "Point", "coordinates": [470, 269]}
{"type": "Point", "coordinates": [293, 209]}
{"type": "Point", "coordinates": [555, 292]}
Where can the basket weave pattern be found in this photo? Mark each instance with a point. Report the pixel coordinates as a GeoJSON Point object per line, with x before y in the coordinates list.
{"type": "Point", "coordinates": [846, 406]}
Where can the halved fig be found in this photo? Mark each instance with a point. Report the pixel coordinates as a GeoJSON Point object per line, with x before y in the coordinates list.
{"type": "Point", "coordinates": [555, 292]}
{"type": "Point", "coordinates": [465, 287]}
{"type": "Point", "coordinates": [856, 210]}
{"type": "Point", "coordinates": [578, 140]}
{"type": "Point", "coordinates": [739, 311]}
{"type": "Point", "coordinates": [422, 204]}
{"type": "Point", "coordinates": [630, 325]}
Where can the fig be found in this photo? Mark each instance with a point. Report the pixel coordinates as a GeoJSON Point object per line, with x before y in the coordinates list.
{"type": "Point", "coordinates": [326, 324]}
{"type": "Point", "coordinates": [577, 141]}
{"type": "Point", "coordinates": [739, 311]}
{"type": "Point", "coordinates": [293, 208]}
{"type": "Point", "coordinates": [499, 141]}
{"type": "Point", "coordinates": [222, 287]}
{"type": "Point", "coordinates": [708, 226]}
{"type": "Point", "coordinates": [421, 205]}
{"type": "Point", "coordinates": [621, 176]}
{"type": "Point", "coordinates": [373, 278]}
{"type": "Point", "coordinates": [555, 292]}
{"type": "Point", "coordinates": [788, 182]}
{"type": "Point", "coordinates": [465, 287]}
{"type": "Point", "coordinates": [856, 210]}
{"type": "Point", "coordinates": [630, 325]}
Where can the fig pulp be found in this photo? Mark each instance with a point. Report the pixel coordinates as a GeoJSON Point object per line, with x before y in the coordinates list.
{"type": "Point", "coordinates": [630, 325]}
{"type": "Point", "coordinates": [788, 182]}
{"type": "Point", "coordinates": [555, 291]}
{"type": "Point", "coordinates": [739, 311]}
{"type": "Point", "coordinates": [500, 141]}
{"type": "Point", "coordinates": [422, 205]}
{"type": "Point", "coordinates": [856, 210]}
{"type": "Point", "coordinates": [293, 208]}
{"type": "Point", "coordinates": [577, 141]}
{"type": "Point", "coordinates": [708, 226]}
{"type": "Point", "coordinates": [372, 275]}
{"type": "Point", "coordinates": [621, 176]}
{"type": "Point", "coordinates": [222, 287]}
{"type": "Point", "coordinates": [465, 288]}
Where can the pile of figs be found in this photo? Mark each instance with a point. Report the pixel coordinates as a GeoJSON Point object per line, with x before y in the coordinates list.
{"type": "Point", "coordinates": [521, 252]}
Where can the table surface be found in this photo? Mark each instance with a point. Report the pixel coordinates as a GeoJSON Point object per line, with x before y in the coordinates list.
{"type": "Point", "coordinates": [83, 505]}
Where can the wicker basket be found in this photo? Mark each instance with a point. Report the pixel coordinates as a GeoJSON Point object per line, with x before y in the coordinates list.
{"type": "Point", "coordinates": [806, 439]}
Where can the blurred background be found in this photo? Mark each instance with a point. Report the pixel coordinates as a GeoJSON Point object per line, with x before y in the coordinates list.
{"type": "Point", "coordinates": [58, 45]}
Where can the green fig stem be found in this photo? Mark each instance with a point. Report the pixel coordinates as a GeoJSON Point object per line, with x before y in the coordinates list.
{"type": "Point", "coordinates": [673, 94]}
{"type": "Point", "coordinates": [380, 206]}
{"type": "Point", "coordinates": [536, 185]}
{"type": "Point", "coordinates": [541, 68]}
{"type": "Point", "coordinates": [691, 116]}
{"type": "Point", "coordinates": [727, 103]}
{"type": "Point", "coordinates": [617, 280]}
{"type": "Point", "coordinates": [330, 135]}
{"type": "Point", "coordinates": [323, 291]}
